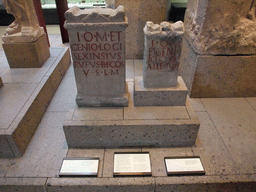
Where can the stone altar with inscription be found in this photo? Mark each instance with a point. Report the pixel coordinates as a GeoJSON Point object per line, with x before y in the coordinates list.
{"type": "Point", "coordinates": [25, 43]}
{"type": "Point", "coordinates": [160, 84]}
{"type": "Point", "coordinates": [97, 42]}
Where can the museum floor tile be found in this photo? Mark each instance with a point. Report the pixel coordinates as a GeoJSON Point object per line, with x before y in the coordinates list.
{"type": "Point", "coordinates": [226, 145]}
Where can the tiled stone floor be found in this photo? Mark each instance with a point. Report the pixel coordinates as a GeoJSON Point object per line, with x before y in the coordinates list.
{"type": "Point", "coordinates": [226, 144]}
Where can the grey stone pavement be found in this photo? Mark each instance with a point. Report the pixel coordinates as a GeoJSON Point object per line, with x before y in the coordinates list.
{"type": "Point", "coordinates": [226, 145]}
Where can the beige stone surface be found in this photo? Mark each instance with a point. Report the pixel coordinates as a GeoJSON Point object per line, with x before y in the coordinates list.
{"type": "Point", "coordinates": [224, 76]}
{"type": "Point", "coordinates": [27, 55]}
{"type": "Point", "coordinates": [219, 27]}
{"type": "Point", "coordinates": [138, 12]}
{"type": "Point", "coordinates": [208, 76]}
{"type": "Point", "coordinates": [162, 50]}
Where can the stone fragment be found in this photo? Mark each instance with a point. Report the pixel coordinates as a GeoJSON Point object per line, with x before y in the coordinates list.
{"type": "Point", "coordinates": [219, 27]}
{"type": "Point", "coordinates": [97, 41]}
{"type": "Point", "coordinates": [162, 54]}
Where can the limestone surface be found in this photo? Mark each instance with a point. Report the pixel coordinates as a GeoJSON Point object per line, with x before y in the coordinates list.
{"type": "Point", "coordinates": [162, 54]}
{"type": "Point", "coordinates": [97, 42]}
{"type": "Point", "coordinates": [95, 15]}
{"type": "Point", "coordinates": [219, 27]}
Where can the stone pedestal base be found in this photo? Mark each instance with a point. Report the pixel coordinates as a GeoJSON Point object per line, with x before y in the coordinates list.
{"type": "Point", "coordinates": [27, 55]}
{"type": "Point", "coordinates": [1, 82]}
{"type": "Point", "coordinates": [209, 76]}
{"type": "Point", "coordinates": [165, 126]}
{"type": "Point", "coordinates": [173, 96]}
{"type": "Point", "coordinates": [94, 101]}
{"type": "Point", "coordinates": [19, 123]}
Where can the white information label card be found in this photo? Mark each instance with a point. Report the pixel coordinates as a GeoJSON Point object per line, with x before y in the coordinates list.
{"type": "Point", "coordinates": [184, 165]}
{"type": "Point", "coordinates": [79, 167]}
{"type": "Point", "coordinates": [132, 164]}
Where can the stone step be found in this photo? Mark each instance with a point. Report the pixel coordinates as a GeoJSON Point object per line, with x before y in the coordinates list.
{"type": "Point", "coordinates": [156, 126]}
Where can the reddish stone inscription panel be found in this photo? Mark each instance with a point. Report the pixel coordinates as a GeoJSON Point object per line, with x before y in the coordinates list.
{"type": "Point", "coordinates": [99, 64]}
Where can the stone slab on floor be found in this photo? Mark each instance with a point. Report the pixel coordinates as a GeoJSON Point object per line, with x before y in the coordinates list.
{"type": "Point", "coordinates": [210, 76]}
{"type": "Point", "coordinates": [25, 98]}
{"type": "Point", "coordinates": [156, 126]}
{"type": "Point", "coordinates": [173, 96]}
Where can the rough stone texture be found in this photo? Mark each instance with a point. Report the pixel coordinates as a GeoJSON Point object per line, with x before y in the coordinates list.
{"type": "Point", "coordinates": [17, 133]}
{"type": "Point", "coordinates": [95, 15]}
{"type": "Point", "coordinates": [138, 12]}
{"type": "Point", "coordinates": [97, 41]}
{"type": "Point", "coordinates": [175, 96]}
{"type": "Point", "coordinates": [219, 27]}
{"type": "Point", "coordinates": [162, 54]}
{"type": "Point", "coordinates": [217, 76]}
{"type": "Point", "coordinates": [27, 55]}
{"type": "Point", "coordinates": [1, 82]}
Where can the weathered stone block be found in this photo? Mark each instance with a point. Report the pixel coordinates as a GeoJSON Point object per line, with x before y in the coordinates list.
{"type": "Point", "coordinates": [27, 55]}
{"type": "Point", "coordinates": [174, 96]}
{"type": "Point", "coordinates": [162, 54]}
{"type": "Point", "coordinates": [97, 41]}
{"type": "Point", "coordinates": [217, 27]}
{"type": "Point", "coordinates": [218, 76]}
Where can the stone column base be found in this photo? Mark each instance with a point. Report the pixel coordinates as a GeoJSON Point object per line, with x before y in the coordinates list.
{"type": "Point", "coordinates": [27, 55]}
{"type": "Point", "coordinates": [210, 76]}
{"type": "Point", "coordinates": [172, 96]}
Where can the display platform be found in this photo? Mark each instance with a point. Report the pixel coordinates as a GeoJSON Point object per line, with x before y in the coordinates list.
{"type": "Point", "coordinates": [156, 126]}
{"type": "Point", "coordinates": [25, 97]}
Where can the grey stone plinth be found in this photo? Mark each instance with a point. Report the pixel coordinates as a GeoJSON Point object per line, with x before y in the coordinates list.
{"type": "Point", "coordinates": [27, 98]}
{"type": "Point", "coordinates": [167, 126]}
{"type": "Point", "coordinates": [1, 82]}
{"type": "Point", "coordinates": [27, 55]}
{"type": "Point", "coordinates": [92, 101]}
{"type": "Point", "coordinates": [97, 41]}
{"type": "Point", "coordinates": [208, 76]}
{"type": "Point", "coordinates": [174, 96]}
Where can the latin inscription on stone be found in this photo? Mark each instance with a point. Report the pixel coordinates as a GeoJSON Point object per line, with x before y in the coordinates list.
{"type": "Point", "coordinates": [161, 54]}
{"type": "Point", "coordinates": [98, 51]}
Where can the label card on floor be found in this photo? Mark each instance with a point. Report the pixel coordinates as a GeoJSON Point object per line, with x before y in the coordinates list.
{"type": "Point", "coordinates": [79, 167]}
{"type": "Point", "coordinates": [184, 166]}
{"type": "Point", "coordinates": [132, 164]}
